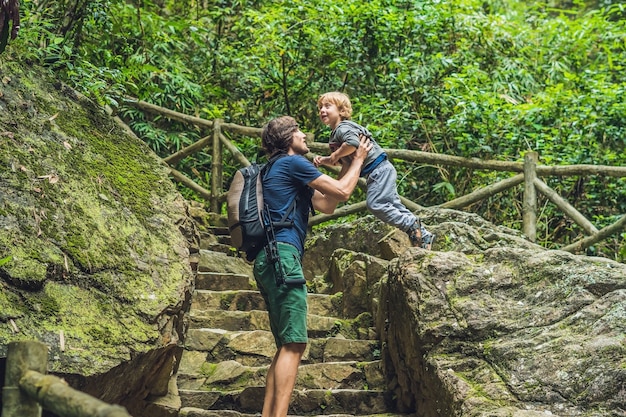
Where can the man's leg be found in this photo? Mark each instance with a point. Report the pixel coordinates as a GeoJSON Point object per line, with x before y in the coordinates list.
{"type": "Point", "coordinates": [268, 400]}
{"type": "Point", "coordinates": [281, 379]}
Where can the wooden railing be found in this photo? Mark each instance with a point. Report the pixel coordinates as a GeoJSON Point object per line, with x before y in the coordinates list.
{"type": "Point", "coordinates": [529, 173]}
{"type": "Point", "coordinates": [27, 389]}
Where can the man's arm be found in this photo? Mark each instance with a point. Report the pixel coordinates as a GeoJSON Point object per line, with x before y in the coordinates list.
{"type": "Point", "coordinates": [345, 166]}
{"type": "Point", "coordinates": [329, 191]}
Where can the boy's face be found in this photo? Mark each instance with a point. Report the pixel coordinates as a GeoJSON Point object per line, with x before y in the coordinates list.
{"type": "Point", "coordinates": [329, 114]}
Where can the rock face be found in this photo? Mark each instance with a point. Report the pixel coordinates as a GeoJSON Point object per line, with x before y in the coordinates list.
{"type": "Point", "coordinates": [507, 332]}
{"type": "Point", "coordinates": [492, 326]}
{"type": "Point", "coordinates": [94, 241]}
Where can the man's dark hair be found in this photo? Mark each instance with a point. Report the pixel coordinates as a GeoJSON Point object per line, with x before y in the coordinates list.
{"type": "Point", "coordinates": [277, 135]}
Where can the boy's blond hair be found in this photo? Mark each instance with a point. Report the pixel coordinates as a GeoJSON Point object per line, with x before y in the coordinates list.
{"type": "Point", "coordinates": [341, 100]}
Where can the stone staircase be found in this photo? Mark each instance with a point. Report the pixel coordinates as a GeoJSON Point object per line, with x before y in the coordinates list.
{"type": "Point", "coordinates": [229, 347]}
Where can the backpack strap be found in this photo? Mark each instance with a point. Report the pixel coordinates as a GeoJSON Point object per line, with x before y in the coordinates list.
{"type": "Point", "coordinates": [292, 207]}
{"type": "Point", "coordinates": [282, 223]}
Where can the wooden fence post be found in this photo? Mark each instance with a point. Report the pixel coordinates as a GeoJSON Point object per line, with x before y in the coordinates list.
{"type": "Point", "coordinates": [529, 210]}
{"type": "Point", "coordinates": [21, 357]}
{"type": "Point", "coordinates": [216, 169]}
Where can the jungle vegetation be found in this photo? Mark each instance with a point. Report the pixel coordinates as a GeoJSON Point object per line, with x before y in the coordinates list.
{"type": "Point", "coordinates": [475, 78]}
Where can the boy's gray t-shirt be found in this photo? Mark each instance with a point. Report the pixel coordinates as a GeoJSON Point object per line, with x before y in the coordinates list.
{"type": "Point", "coordinates": [348, 131]}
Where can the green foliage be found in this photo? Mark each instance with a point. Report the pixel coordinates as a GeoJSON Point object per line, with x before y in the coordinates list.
{"type": "Point", "coordinates": [5, 260]}
{"type": "Point", "coordinates": [464, 77]}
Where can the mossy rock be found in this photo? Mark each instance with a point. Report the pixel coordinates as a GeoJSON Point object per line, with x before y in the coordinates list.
{"type": "Point", "coordinates": [91, 254]}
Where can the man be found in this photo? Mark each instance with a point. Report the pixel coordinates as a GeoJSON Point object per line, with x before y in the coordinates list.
{"type": "Point", "coordinates": [293, 177]}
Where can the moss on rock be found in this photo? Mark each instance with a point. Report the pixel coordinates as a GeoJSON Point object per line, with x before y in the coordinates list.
{"type": "Point", "coordinates": [89, 223]}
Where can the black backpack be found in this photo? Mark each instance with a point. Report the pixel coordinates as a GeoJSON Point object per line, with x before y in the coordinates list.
{"type": "Point", "coordinates": [245, 210]}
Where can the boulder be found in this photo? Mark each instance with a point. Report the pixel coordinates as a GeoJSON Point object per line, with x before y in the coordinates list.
{"type": "Point", "coordinates": [94, 241]}
{"type": "Point", "coordinates": [455, 230]}
{"type": "Point", "coordinates": [508, 331]}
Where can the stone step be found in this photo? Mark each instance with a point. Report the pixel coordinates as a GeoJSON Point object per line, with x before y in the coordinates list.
{"type": "Point", "coordinates": [217, 281]}
{"type": "Point", "coordinates": [317, 326]}
{"type": "Point", "coordinates": [243, 300]}
{"type": "Point", "coordinates": [229, 320]}
{"type": "Point", "coordinates": [207, 240]}
{"type": "Point", "coordinates": [217, 262]}
{"type": "Point", "coordinates": [198, 412]}
{"type": "Point", "coordinates": [221, 247]}
{"type": "Point", "coordinates": [303, 402]}
{"type": "Point", "coordinates": [257, 348]}
{"type": "Point", "coordinates": [230, 376]}
{"type": "Point", "coordinates": [228, 349]}
{"type": "Point", "coordinates": [218, 230]}
{"type": "Point", "coordinates": [231, 300]}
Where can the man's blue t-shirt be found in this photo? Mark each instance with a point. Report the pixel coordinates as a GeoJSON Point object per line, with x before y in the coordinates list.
{"type": "Point", "coordinates": [287, 179]}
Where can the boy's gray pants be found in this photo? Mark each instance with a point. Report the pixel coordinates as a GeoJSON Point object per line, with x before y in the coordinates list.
{"type": "Point", "coordinates": [383, 199]}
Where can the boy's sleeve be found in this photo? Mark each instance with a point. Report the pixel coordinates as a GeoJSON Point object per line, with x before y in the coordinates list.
{"type": "Point", "coordinates": [348, 135]}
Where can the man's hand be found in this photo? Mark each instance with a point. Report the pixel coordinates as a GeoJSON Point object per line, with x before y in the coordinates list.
{"type": "Point", "coordinates": [365, 145]}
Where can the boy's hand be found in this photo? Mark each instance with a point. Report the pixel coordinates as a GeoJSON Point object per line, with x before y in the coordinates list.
{"type": "Point", "coordinates": [321, 160]}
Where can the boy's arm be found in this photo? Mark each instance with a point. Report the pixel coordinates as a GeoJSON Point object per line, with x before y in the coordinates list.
{"type": "Point", "coordinates": [321, 160]}
{"type": "Point", "coordinates": [329, 192]}
{"type": "Point", "coordinates": [343, 150]}
{"type": "Point", "coordinates": [335, 157]}
{"type": "Point", "coordinates": [325, 160]}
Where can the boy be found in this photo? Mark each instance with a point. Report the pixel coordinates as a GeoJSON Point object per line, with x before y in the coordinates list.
{"type": "Point", "coordinates": [383, 200]}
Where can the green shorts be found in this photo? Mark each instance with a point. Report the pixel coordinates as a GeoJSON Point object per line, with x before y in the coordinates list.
{"type": "Point", "coordinates": [286, 304]}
